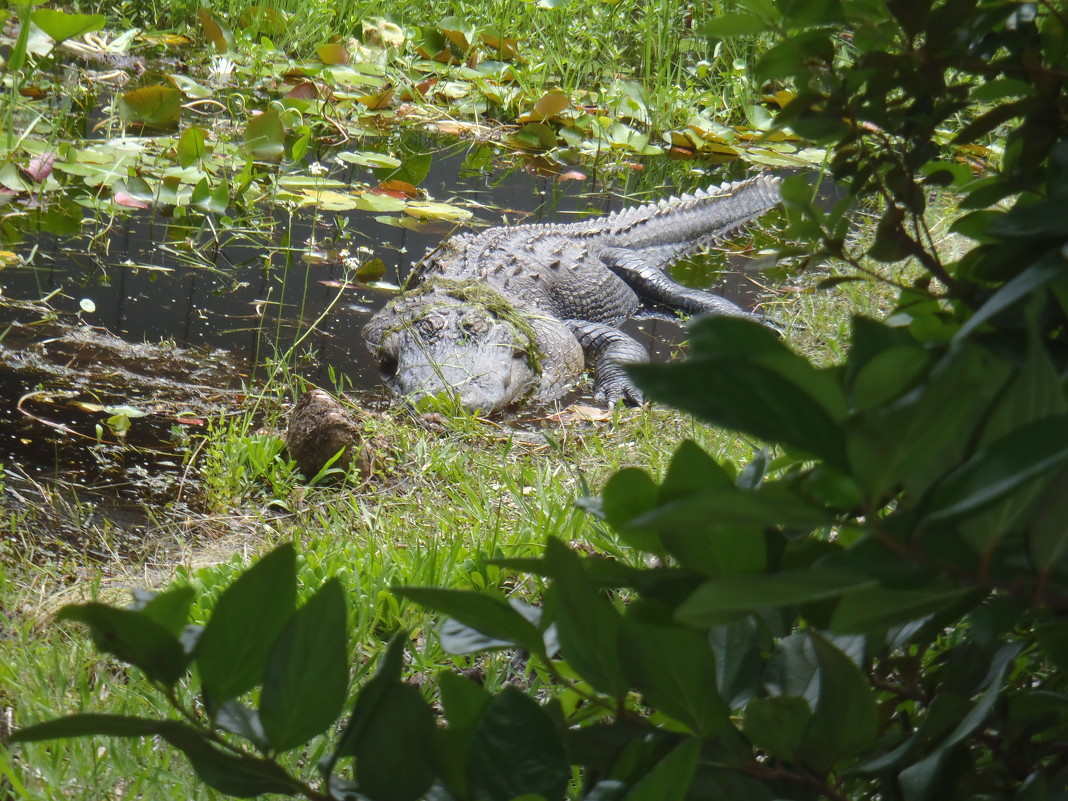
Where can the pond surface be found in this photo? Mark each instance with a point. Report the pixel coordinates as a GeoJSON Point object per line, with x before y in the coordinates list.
{"type": "Point", "coordinates": [267, 290]}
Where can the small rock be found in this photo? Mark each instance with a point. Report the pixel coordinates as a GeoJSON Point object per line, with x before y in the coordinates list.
{"type": "Point", "coordinates": [319, 426]}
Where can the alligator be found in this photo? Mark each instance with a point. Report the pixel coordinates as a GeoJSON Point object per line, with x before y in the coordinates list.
{"type": "Point", "coordinates": [516, 313]}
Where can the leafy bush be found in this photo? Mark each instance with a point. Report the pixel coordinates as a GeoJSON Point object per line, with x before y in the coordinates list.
{"type": "Point", "coordinates": [880, 611]}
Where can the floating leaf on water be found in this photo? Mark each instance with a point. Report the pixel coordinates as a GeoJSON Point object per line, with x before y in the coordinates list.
{"type": "Point", "coordinates": [378, 100]}
{"type": "Point", "coordinates": [780, 98]}
{"type": "Point", "coordinates": [398, 189]}
{"type": "Point", "coordinates": [680, 139]}
{"type": "Point", "coordinates": [87, 305]}
{"type": "Point", "coordinates": [62, 26]}
{"type": "Point", "coordinates": [369, 159]}
{"type": "Point", "coordinates": [188, 87]}
{"type": "Point", "coordinates": [332, 53]}
{"type": "Point", "coordinates": [370, 201]}
{"type": "Point", "coordinates": [192, 147]}
{"type": "Point", "coordinates": [426, 210]}
{"type": "Point", "coordinates": [458, 32]}
{"type": "Point", "coordinates": [265, 136]}
{"type": "Point", "coordinates": [552, 104]}
{"type": "Point", "coordinates": [502, 47]}
{"type": "Point", "coordinates": [533, 136]}
{"type": "Point", "coordinates": [7, 258]}
{"type": "Point", "coordinates": [156, 106]}
{"type": "Point", "coordinates": [371, 270]}
{"type": "Point", "coordinates": [217, 32]}
{"type": "Point", "coordinates": [303, 90]}
{"type": "Point", "coordinates": [431, 43]}
{"type": "Point", "coordinates": [11, 179]}
{"type": "Point", "coordinates": [298, 183]}
{"type": "Point", "coordinates": [124, 198]}
{"type": "Point", "coordinates": [330, 200]}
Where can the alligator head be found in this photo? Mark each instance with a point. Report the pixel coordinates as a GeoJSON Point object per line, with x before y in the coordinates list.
{"type": "Point", "coordinates": [456, 337]}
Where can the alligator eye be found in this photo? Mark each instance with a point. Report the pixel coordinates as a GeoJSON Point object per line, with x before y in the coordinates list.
{"type": "Point", "coordinates": [387, 365]}
{"type": "Point", "coordinates": [474, 326]}
{"type": "Point", "coordinates": [519, 354]}
{"type": "Point", "coordinates": [428, 326]}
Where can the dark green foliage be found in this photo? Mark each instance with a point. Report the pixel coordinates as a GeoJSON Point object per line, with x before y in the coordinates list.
{"type": "Point", "coordinates": [880, 612]}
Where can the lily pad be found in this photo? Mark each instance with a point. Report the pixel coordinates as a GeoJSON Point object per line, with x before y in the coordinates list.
{"type": "Point", "coordinates": [332, 53]}
{"type": "Point", "coordinates": [155, 106]}
{"type": "Point", "coordinates": [533, 136]}
{"type": "Point", "coordinates": [427, 210]}
{"type": "Point", "coordinates": [369, 159]}
{"type": "Point", "coordinates": [265, 136]}
{"type": "Point", "coordinates": [218, 33]}
{"type": "Point", "coordinates": [62, 26]}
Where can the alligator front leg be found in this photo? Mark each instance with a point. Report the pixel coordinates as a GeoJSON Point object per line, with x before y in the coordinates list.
{"type": "Point", "coordinates": [654, 285]}
{"type": "Point", "coordinates": [610, 350]}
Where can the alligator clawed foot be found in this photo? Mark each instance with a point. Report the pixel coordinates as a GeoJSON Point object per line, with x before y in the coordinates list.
{"type": "Point", "coordinates": [626, 392]}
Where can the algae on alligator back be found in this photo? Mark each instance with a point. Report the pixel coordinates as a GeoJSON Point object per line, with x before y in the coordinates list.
{"type": "Point", "coordinates": [518, 313]}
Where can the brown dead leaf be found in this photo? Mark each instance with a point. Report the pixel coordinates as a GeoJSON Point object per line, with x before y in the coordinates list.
{"type": "Point", "coordinates": [579, 413]}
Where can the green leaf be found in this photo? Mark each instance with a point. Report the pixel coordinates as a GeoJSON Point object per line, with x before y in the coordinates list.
{"type": "Point", "coordinates": [239, 719]}
{"type": "Point", "coordinates": [86, 725]}
{"type": "Point", "coordinates": [744, 395]}
{"type": "Point", "coordinates": [484, 613]}
{"type": "Point", "coordinates": [133, 637]}
{"type": "Point", "coordinates": [230, 774]}
{"type": "Point", "coordinates": [238, 776]}
{"type": "Point", "coordinates": [233, 648]}
{"type": "Point", "coordinates": [919, 436]}
{"type": "Point", "coordinates": [691, 471]}
{"type": "Point", "coordinates": [846, 719]}
{"type": "Point", "coordinates": [413, 170]}
{"type": "Point", "coordinates": [1052, 639]}
{"type": "Point", "coordinates": [738, 648]}
{"type": "Point", "coordinates": [62, 26]}
{"type": "Point", "coordinates": [170, 609]}
{"type": "Point", "coordinates": [1048, 537]}
{"type": "Point", "coordinates": [876, 608]}
{"type": "Point", "coordinates": [674, 670]}
{"type": "Point", "coordinates": [587, 624]}
{"type": "Point", "coordinates": [306, 677]}
{"type": "Point", "coordinates": [629, 493]}
{"type": "Point", "coordinates": [730, 597]}
{"type": "Point", "coordinates": [516, 750]}
{"type": "Point", "coordinates": [917, 780]}
{"type": "Point", "coordinates": [774, 504]}
{"type": "Point", "coordinates": [371, 697]}
{"type": "Point", "coordinates": [777, 724]}
{"type": "Point", "coordinates": [192, 146]}
{"type": "Point", "coordinates": [156, 106]}
{"type": "Point", "coordinates": [1048, 268]}
{"type": "Point", "coordinates": [463, 701]}
{"type": "Point", "coordinates": [265, 136]}
{"type": "Point", "coordinates": [392, 756]}
{"type": "Point", "coordinates": [887, 375]}
{"type": "Point", "coordinates": [726, 26]}
{"type": "Point", "coordinates": [670, 778]}
{"type": "Point", "coordinates": [216, 31]}
{"type": "Point", "coordinates": [1027, 454]}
